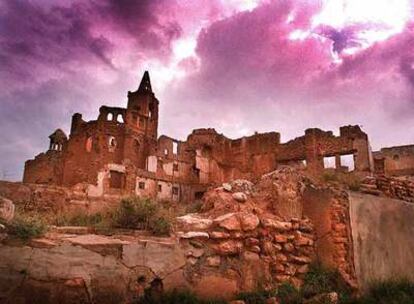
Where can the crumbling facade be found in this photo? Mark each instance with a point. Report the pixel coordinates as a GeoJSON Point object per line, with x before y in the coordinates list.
{"type": "Point", "coordinates": [395, 161]}
{"type": "Point", "coordinates": [121, 153]}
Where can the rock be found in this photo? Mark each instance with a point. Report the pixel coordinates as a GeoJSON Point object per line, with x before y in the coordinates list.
{"type": "Point", "coordinates": [281, 258]}
{"type": "Point", "coordinates": [268, 248]}
{"type": "Point", "coordinates": [302, 240]}
{"type": "Point", "coordinates": [288, 247]}
{"type": "Point", "coordinates": [196, 253]}
{"type": "Point", "coordinates": [6, 209]}
{"type": "Point", "coordinates": [229, 221]}
{"type": "Point", "coordinates": [303, 269]}
{"type": "Point", "coordinates": [42, 243]}
{"type": "Point", "coordinates": [328, 298]}
{"type": "Point", "coordinates": [229, 247]}
{"type": "Point", "coordinates": [239, 197]}
{"type": "Point", "coordinates": [242, 185]}
{"type": "Point", "coordinates": [193, 222]}
{"type": "Point", "coordinates": [301, 259]}
{"type": "Point", "coordinates": [213, 261]}
{"type": "Point", "coordinates": [255, 249]}
{"type": "Point", "coordinates": [277, 225]}
{"type": "Point", "coordinates": [251, 256]}
{"type": "Point", "coordinates": [194, 234]}
{"type": "Point", "coordinates": [227, 187]}
{"type": "Point", "coordinates": [281, 238]}
{"type": "Point", "coordinates": [252, 242]}
{"type": "Point", "coordinates": [72, 230]}
{"type": "Point", "coordinates": [219, 235]}
{"type": "Point", "coordinates": [192, 260]}
{"type": "Point", "coordinates": [249, 221]}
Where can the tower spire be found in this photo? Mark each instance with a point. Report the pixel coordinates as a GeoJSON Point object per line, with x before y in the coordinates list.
{"type": "Point", "coordinates": [145, 85]}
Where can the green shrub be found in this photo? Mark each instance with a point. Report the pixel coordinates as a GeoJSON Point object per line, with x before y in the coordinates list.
{"type": "Point", "coordinates": [177, 297]}
{"type": "Point", "coordinates": [288, 294]}
{"type": "Point", "coordinates": [194, 207]}
{"type": "Point", "coordinates": [320, 280]}
{"type": "Point", "coordinates": [256, 297]}
{"type": "Point", "coordinates": [82, 219]}
{"type": "Point", "coordinates": [25, 228]}
{"type": "Point", "coordinates": [389, 292]}
{"type": "Point", "coordinates": [160, 226]}
{"type": "Point", "coordinates": [135, 213]}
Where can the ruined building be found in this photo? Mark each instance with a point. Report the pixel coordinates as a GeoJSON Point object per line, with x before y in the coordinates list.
{"type": "Point", "coordinates": [121, 153]}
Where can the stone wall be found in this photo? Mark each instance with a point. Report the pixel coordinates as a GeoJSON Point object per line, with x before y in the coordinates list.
{"type": "Point", "coordinates": [398, 188]}
{"type": "Point", "coordinates": [382, 230]}
{"type": "Point", "coordinates": [395, 160]}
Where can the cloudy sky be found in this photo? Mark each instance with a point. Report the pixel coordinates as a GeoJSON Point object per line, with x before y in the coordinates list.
{"type": "Point", "coordinates": [238, 66]}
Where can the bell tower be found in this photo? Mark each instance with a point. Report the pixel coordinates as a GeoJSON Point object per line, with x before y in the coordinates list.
{"type": "Point", "coordinates": [142, 109]}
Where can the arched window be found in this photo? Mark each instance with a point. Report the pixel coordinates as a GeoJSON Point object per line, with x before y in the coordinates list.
{"type": "Point", "coordinates": [112, 143]}
{"type": "Point", "coordinates": [119, 118]}
{"type": "Point", "coordinates": [110, 117]}
{"type": "Point", "coordinates": [396, 157]}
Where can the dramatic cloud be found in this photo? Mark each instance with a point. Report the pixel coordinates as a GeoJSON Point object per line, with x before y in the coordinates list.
{"type": "Point", "coordinates": [238, 66]}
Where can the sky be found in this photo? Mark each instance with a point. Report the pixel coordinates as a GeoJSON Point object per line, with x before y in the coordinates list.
{"type": "Point", "coordinates": [238, 66]}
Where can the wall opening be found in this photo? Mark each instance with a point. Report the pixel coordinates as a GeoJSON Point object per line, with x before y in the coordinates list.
{"type": "Point", "coordinates": [165, 152]}
{"type": "Point", "coordinates": [110, 117]}
{"type": "Point", "coordinates": [116, 180]}
{"type": "Point", "coordinates": [175, 190]}
{"type": "Point", "coordinates": [141, 185]}
{"type": "Point", "coordinates": [347, 161]}
{"type": "Point", "coordinates": [175, 148]}
{"type": "Point", "coordinates": [396, 157]}
{"type": "Point", "coordinates": [89, 143]}
{"type": "Point", "coordinates": [329, 162]}
{"type": "Point", "coordinates": [199, 195]}
{"type": "Point", "coordinates": [119, 118]}
{"type": "Point", "coordinates": [159, 188]}
{"type": "Point", "coordinates": [175, 167]}
{"type": "Point", "coordinates": [112, 143]}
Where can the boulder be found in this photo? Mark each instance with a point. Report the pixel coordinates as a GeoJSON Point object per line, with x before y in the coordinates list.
{"type": "Point", "coordinates": [277, 225]}
{"type": "Point", "coordinates": [229, 247]}
{"type": "Point", "coordinates": [191, 222]}
{"type": "Point", "coordinates": [227, 187]}
{"type": "Point", "coordinates": [213, 261]}
{"type": "Point", "coordinates": [249, 221]}
{"type": "Point", "coordinates": [194, 234]}
{"type": "Point", "coordinates": [229, 221]}
{"type": "Point", "coordinates": [6, 209]}
{"type": "Point", "coordinates": [239, 197]}
{"type": "Point", "coordinates": [219, 235]}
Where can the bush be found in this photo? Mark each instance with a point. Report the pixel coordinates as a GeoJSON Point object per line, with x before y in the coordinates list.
{"type": "Point", "coordinates": [288, 294]}
{"type": "Point", "coordinates": [160, 226]}
{"type": "Point", "coordinates": [177, 297]}
{"type": "Point", "coordinates": [256, 297]}
{"type": "Point", "coordinates": [194, 207]}
{"type": "Point", "coordinates": [324, 280]}
{"type": "Point", "coordinates": [389, 292]}
{"type": "Point", "coordinates": [135, 213]}
{"type": "Point", "coordinates": [80, 219]}
{"type": "Point", "coordinates": [26, 228]}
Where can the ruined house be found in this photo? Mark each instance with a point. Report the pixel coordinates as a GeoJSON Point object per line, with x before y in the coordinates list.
{"type": "Point", "coordinates": [121, 153]}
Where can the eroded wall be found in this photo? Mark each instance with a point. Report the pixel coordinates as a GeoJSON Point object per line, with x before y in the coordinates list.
{"type": "Point", "coordinates": [382, 230]}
